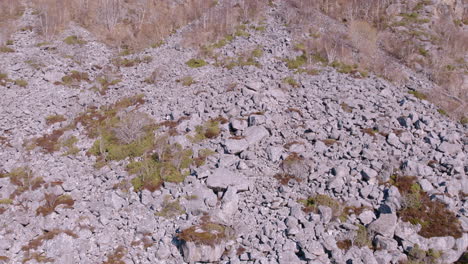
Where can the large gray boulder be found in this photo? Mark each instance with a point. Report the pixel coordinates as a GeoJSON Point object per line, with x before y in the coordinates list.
{"type": "Point", "coordinates": [385, 225]}
{"type": "Point", "coordinates": [222, 178]}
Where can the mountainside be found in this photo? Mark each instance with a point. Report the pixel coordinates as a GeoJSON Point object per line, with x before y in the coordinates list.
{"type": "Point", "coordinates": [267, 141]}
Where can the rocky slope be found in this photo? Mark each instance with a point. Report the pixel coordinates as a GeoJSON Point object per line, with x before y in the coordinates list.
{"type": "Point", "coordinates": [297, 168]}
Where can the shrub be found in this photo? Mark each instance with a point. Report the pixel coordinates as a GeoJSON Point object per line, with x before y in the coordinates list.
{"type": "Point", "coordinates": [24, 180]}
{"type": "Point", "coordinates": [196, 63]}
{"type": "Point", "coordinates": [131, 127]}
{"type": "Point", "coordinates": [169, 163]}
{"type": "Point", "coordinates": [52, 201]}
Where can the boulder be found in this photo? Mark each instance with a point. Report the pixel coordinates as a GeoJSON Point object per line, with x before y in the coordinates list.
{"type": "Point", "coordinates": [384, 225]}
{"type": "Point", "coordinates": [222, 178]}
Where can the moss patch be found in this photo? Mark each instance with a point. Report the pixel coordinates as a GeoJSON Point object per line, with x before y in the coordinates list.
{"type": "Point", "coordinates": [196, 63]}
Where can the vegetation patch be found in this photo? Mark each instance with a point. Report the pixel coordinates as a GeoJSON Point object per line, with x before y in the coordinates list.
{"type": "Point", "coordinates": [196, 63]}
{"type": "Point", "coordinates": [52, 119]}
{"type": "Point", "coordinates": [125, 62]}
{"type": "Point", "coordinates": [203, 154]}
{"type": "Point", "coordinates": [171, 208]}
{"type": "Point", "coordinates": [21, 83]}
{"type": "Point", "coordinates": [311, 204]}
{"type": "Point", "coordinates": [346, 108]}
{"type": "Point", "coordinates": [418, 256]}
{"type": "Point", "coordinates": [435, 218]}
{"type": "Point", "coordinates": [285, 178]}
{"type": "Point", "coordinates": [295, 165]}
{"type": "Point", "coordinates": [362, 238]}
{"type": "Point", "coordinates": [39, 241]}
{"type": "Point", "coordinates": [169, 163]}
{"type": "Point", "coordinates": [209, 130]}
{"type": "Point", "coordinates": [24, 180]}
{"type": "Point", "coordinates": [206, 233]}
{"type": "Point", "coordinates": [74, 40]}
{"type": "Point", "coordinates": [117, 256]}
{"type": "Point", "coordinates": [187, 81]}
{"type": "Point", "coordinates": [74, 78]}
{"type": "Point", "coordinates": [105, 83]}
{"type": "Point", "coordinates": [5, 49]}
{"type": "Point", "coordinates": [52, 201]}
{"type": "Point", "coordinates": [297, 62]}
{"type": "Point", "coordinates": [291, 81]}
{"type": "Point", "coordinates": [419, 95]}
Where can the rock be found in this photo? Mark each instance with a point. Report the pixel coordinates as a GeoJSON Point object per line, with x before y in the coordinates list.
{"type": "Point", "coordinates": [202, 253]}
{"type": "Point", "coordinates": [441, 243]}
{"type": "Point", "coordinates": [393, 140]}
{"type": "Point", "coordinates": [222, 178]}
{"type": "Point", "coordinates": [256, 120]}
{"type": "Point", "coordinates": [426, 185]}
{"type": "Point", "coordinates": [449, 148]}
{"type": "Point", "coordinates": [341, 171]}
{"type": "Point", "coordinates": [386, 243]}
{"type": "Point", "coordinates": [239, 124]}
{"type": "Point", "coordinates": [274, 153]}
{"type": "Point", "coordinates": [368, 173]}
{"type": "Point", "coordinates": [384, 225]}
{"type": "Point", "coordinates": [255, 134]}
{"type": "Point", "coordinates": [366, 217]}
{"type": "Point", "coordinates": [235, 146]}
{"type": "Point", "coordinates": [254, 86]}
{"type": "Point", "coordinates": [325, 214]}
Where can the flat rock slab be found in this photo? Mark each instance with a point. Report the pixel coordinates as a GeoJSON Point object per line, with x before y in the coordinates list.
{"type": "Point", "coordinates": [384, 225]}
{"type": "Point", "coordinates": [222, 178]}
